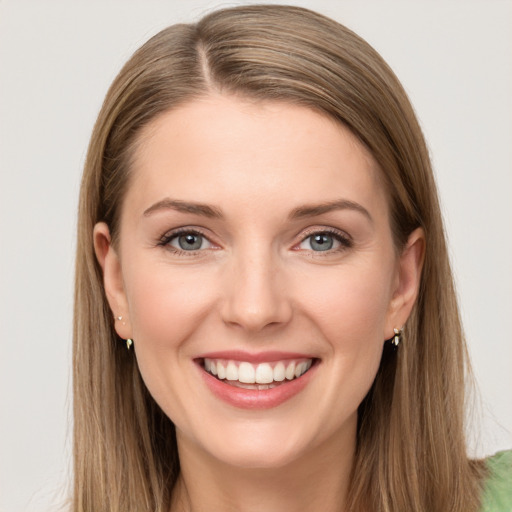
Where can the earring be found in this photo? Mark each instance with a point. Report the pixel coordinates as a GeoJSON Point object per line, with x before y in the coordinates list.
{"type": "Point", "coordinates": [397, 337]}
{"type": "Point", "coordinates": [129, 343]}
{"type": "Point", "coordinates": [120, 318]}
{"type": "Point", "coordinates": [391, 345]}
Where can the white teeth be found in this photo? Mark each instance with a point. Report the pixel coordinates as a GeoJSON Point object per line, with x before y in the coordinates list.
{"type": "Point", "coordinates": [279, 372]}
{"type": "Point", "coordinates": [221, 371]}
{"type": "Point", "coordinates": [246, 373]}
{"type": "Point", "coordinates": [261, 375]}
{"type": "Point", "coordinates": [231, 371]}
{"type": "Point", "coordinates": [238, 384]}
{"type": "Point", "coordinates": [264, 374]}
{"type": "Point", "coordinates": [266, 386]}
{"type": "Point", "coordinates": [290, 371]}
{"type": "Point", "coordinates": [300, 369]}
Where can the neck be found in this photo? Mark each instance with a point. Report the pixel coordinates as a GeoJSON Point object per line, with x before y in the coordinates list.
{"type": "Point", "coordinates": [318, 480]}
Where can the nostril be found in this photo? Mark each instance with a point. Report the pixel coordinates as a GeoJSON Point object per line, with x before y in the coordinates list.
{"type": "Point", "coordinates": [256, 303]}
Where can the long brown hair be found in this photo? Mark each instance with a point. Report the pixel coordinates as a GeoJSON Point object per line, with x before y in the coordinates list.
{"type": "Point", "coordinates": [411, 450]}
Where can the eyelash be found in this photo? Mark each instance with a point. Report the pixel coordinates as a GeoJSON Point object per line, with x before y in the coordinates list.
{"type": "Point", "coordinates": [168, 237]}
{"type": "Point", "coordinates": [343, 239]}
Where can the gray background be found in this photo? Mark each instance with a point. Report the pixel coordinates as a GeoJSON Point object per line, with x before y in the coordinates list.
{"type": "Point", "coordinates": [56, 61]}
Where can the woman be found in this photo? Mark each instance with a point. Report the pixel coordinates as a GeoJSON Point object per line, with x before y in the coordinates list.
{"type": "Point", "coordinates": [266, 316]}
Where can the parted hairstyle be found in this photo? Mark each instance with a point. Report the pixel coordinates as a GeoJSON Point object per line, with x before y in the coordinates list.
{"type": "Point", "coordinates": [411, 450]}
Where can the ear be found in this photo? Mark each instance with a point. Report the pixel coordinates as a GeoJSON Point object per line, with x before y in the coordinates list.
{"type": "Point", "coordinates": [407, 282]}
{"type": "Point", "coordinates": [112, 278]}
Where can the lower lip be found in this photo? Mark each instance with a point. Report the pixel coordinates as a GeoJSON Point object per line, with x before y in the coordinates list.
{"type": "Point", "coordinates": [256, 398]}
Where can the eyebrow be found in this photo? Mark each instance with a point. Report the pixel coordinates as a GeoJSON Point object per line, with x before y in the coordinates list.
{"type": "Point", "coordinates": [300, 212]}
{"type": "Point", "coordinates": [186, 207]}
{"type": "Point", "coordinates": [319, 209]}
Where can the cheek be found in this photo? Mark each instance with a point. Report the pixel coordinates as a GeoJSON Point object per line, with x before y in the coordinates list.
{"type": "Point", "coordinates": [349, 305]}
{"type": "Point", "coordinates": [166, 305]}
{"type": "Point", "coordinates": [350, 309]}
{"type": "Point", "coordinates": [167, 308]}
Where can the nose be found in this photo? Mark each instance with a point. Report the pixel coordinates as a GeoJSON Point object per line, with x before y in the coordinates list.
{"type": "Point", "coordinates": [256, 296]}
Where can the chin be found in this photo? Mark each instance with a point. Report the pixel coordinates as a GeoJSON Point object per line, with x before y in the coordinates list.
{"type": "Point", "coordinates": [255, 457]}
{"type": "Point", "coordinates": [258, 446]}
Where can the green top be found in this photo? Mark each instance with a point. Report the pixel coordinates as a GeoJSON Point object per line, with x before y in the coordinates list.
{"type": "Point", "coordinates": [497, 496]}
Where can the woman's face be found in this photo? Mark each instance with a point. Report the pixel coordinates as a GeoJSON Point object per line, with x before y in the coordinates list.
{"type": "Point", "coordinates": [255, 244]}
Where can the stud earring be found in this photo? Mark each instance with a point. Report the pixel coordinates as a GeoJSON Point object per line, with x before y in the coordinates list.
{"type": "Point", "coordinates": [129, 343]}
{"type": "Point", "coordinates": [397, 338]}
{"type": "Point", "coordinates": [120, 318]}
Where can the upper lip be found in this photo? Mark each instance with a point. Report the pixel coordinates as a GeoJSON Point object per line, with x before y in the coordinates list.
{"type": "Point", "coordinates": [254, 357]}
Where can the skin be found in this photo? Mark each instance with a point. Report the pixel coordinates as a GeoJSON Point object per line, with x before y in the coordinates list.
{"type": "Point", "coordinates": [258, 284]}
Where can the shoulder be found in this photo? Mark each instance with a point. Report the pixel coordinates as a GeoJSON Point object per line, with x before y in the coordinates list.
{"type": "Point", "coordinates": [497, 494]}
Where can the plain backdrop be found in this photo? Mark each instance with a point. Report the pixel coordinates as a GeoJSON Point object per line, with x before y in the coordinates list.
{"type": "Point", "coordinates": [56, 62]}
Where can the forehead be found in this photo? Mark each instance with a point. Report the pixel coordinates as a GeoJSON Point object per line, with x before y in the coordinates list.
{"type": "Point", "coordinates": [237, 151]}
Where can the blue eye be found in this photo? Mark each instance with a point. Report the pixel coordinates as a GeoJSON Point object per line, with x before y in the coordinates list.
{"type": "Point", "coordinates": [188, 241]}
{"type": "Point", "coordinates": [324, 241]}
{"type": "Point", "coordinates": [321, 242]}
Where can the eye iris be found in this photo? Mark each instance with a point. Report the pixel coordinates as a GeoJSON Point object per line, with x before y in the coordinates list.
{"type": "Point", "coordinates": [190, 242]}
{"type": "Point", "coordinates": [322, 242]}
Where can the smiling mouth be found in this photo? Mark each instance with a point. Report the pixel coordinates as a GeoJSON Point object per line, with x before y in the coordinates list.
{"type": "Point", "coordinates": [266, 375]}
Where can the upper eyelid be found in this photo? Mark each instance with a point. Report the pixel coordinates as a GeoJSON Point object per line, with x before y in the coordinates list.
{"type": "Point", "coordinates": [173, 233]}
{"type": "Point", "coordinates": [330, 230]}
